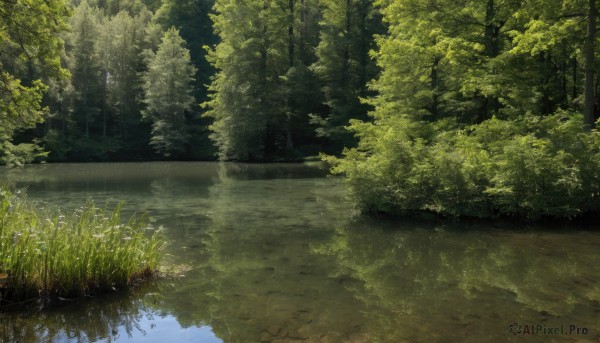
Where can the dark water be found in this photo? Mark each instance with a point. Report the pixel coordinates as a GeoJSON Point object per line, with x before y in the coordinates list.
{"type": "Point", "coordinates": [275, 253]}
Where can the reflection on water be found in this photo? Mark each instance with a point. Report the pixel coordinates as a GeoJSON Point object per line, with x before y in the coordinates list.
{"type": "Point", "coordinates": [277, 255]}
{"type": "Point", "coordinates": [114, 317]}
{"type": "Point", "coordinates": [434, 283]}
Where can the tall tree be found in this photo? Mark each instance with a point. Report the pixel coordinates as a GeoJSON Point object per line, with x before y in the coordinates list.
{"type": "Point", "coordinates": [84, 64]}
{"type": "Point", "coordinates": [168, 94]}
{"type": "Point", "coordinates": [191, 18]}
{"type": "Point", "coordinates": [300, 88]}
{"type": "Point", "coordinates": [590, 61]}
{"type": "Point", "coordinates": [264, 90]}
{"type": "Point", "coordinates": [415, 72]}
{"type": "Point", "coordinates": [344, 65]}
{"type": "Point", "coordinates": [242, 99]}
{"type": "Point", "coordinates": [122, 67]}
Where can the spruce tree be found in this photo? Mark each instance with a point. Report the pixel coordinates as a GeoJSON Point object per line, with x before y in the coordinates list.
{"type": "Point", "coordinates": [168, 86]}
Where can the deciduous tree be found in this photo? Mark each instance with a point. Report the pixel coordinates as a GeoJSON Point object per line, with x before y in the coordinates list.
{"type": "Point", "coordinates": [30, 47]}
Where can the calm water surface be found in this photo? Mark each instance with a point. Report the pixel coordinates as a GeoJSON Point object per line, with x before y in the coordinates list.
{"type": "Point", "coordinates": [275, 253]}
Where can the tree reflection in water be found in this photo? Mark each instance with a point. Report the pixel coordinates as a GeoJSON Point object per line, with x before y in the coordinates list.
{"type": "Point", "coordinates": [258, 280]}
{"type": "Point", "coordinates": [104, 318]}
{"type": "Point", "coordinates": [425, 283]}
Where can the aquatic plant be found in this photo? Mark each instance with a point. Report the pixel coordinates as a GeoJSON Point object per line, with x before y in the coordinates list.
{"type": "Point", "coordinates": [45, 253]}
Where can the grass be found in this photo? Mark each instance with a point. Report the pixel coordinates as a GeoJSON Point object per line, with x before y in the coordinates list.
{"type": "Point", "coordinates": [44, 253]}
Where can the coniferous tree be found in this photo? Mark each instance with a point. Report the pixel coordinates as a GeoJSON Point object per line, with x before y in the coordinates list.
{"type": "Point", "coordinates": [168, 94]}
{"type": "Point", "coordinates": [301, 85]}
{"type": "Point", "coordinates": [191, 18]}
{"type": "Point", "coordinates": [84, 64]}
{"type": "Point", "coordinates": [123, 66]}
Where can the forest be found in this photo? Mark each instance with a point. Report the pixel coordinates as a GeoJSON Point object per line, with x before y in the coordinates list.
{"type": "Point", "coordinates": [458, 107]}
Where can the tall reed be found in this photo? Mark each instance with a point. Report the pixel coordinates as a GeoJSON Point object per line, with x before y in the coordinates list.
{"type": "Point", "coordinates": [49, 254]}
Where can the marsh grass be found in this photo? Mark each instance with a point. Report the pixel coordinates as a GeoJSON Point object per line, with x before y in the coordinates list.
{"type": "Point", "coordinates": [45, 253]}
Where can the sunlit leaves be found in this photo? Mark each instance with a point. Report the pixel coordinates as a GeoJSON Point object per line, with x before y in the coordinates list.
{"type": "Point", "coordinates": [29, 41]}
{"type": "Point", "coordinates": [528, 167]}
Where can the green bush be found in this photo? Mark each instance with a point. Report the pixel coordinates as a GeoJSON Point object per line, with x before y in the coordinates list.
{"type": "Point", "coordinates": [20, 154]}
{"type": "Point", "coordinates": [530, 167]}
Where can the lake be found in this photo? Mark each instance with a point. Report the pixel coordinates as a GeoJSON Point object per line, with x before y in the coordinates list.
{"type": "Point", "coordinates": [277, 253]}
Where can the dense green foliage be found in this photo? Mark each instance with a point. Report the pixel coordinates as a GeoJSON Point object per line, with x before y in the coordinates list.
{"type": "Point", "coordinates": [97, 114]}
{"type": "Point", "coordinates": [289, 75]}
{"type": "Point", "coordinates": [43, 252]}
{"type": "Point", "coordinates": [458, 107]}
{"type": "Point", "coordinates": [283, 80]}
{"type": "Point", "coordinates": [263, 89]}
{"type": "Point", "coordinates": [473, 116]}
{"type": "Point", "coordinates": [529, 167]}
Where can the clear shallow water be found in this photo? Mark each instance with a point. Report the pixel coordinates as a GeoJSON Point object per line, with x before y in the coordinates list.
{"type": "Point", "coordinates": [276, 254]}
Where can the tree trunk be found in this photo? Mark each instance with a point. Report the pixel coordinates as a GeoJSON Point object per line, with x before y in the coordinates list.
{"type": "Point", "coordinates": [564, 91]}
{"type": "Point", "coordinates": [588, 108]}
{"type": "Point", "coordinates": [291, 33]}
{"type": "Point", "coordinates": [104, 91]}
{"type": "Point", "coordinates": [61, 110]}
{"type": "Point", "coordinates": [492, 50]}
{"type": "Point", "coordinates": [85, 106]}
{"type": "Point", "coordinates": [434, 89]}
{"type": "Point", "coordinates": [289, 143]}
{"type": "Point", "coordinates": [263, 51]}
{"type": "Point", "coordinates": [364, 48]}
{"type": "Point", "coordinates": [574, 61]}
{"type": "Point", "coordinates": [303, 33]}
{"type": "Point", "coordinates": [263, 117]}
{"type": "Point", "coordinates": [346, 61]}
{"type": "Point", "coordinates": [492, 31]}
